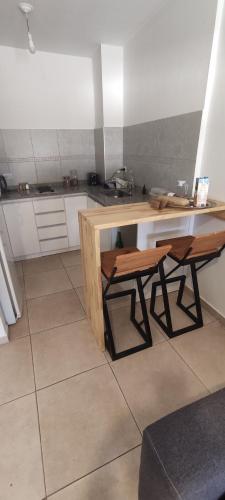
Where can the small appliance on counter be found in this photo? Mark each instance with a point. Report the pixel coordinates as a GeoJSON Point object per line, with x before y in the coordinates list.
{"type": "Point", "coordinates": [92, 179]}
{"type": "Point", "coordinates": [23, 187]}
{"type": "Point", "coordinates": [3, 185]}
{"type": "Point", "coordinates": [66, 181]}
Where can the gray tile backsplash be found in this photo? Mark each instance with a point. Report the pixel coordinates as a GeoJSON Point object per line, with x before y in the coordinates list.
{"type": "Point", "coordinates": [48, 171]}
{"type": "Point", "coordinates": [162, 151]}
{"type": "Point", "coordinates": [76, 142]}
{"type": "Point", "coordinates": [39, 156]}
{"type": "Point", "coordinates": [18, 144]}
{"type": "Point", "coordinates": [108, 150]}
{"type": "Point", "coordinates": [45, 143]}
{"type": "Point", "coordinates": [159, 152]}
{"type": "Point", "coordinates": [100, 153]}
{"type": "Point", "coordinates": [22, 171]}
{"type": "Point", "coordinates": [113, 137]}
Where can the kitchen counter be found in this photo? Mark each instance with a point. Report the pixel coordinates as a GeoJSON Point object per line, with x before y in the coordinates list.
{"type": "Point", "coordinates": [97, 193]}
{"type": "Point", "coordinates": [93, 221]}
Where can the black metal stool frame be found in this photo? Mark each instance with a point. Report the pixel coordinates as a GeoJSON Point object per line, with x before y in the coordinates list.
{"type": "Point", "coordinates": [146, 332]}
{"type": "Point", "coordinates": [164, 280]}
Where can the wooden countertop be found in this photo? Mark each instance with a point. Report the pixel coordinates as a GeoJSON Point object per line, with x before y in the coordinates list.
{"type": "Point", "coordinates": [135, 213]}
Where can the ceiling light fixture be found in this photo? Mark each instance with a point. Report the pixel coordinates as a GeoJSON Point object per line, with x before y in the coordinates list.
{"type": "Point", "coordinates": [26, 9]}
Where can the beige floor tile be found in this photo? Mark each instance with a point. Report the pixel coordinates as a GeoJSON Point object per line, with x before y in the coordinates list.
{"type": "Point", "coordinates": [70, 259]}
{"type": "Point", "coordinates": [63, 352]}
{"type": "Point", "coordinates": [42, 264]}
{"type": "Point", "coordinates": [179, 318]}
{"type": "Point", "coordinates": [19, 268]}
{"type": "Point", "coordinates": [125, 333]}
{"type": "Point", "coordinates": [46, 283]}
{"type": "Point", "coordinates": [85, 423]}
{"type": "Point", "coordinates": [16, 370]}
{"type": "Point", "coordinates": [54, 310]}
{"type": "Point", "coordinates": [21, 476]}
{"type": "Point", "coordinates": [21, 327]}
{"type": "Point", "coordinates": [117, 480]}
{"type": "Point", "coordinates": [204, 351]}
{"type": "Point", "coordinates": [75, 274]}
{"type": "Point", "coordinates": [156, 382]}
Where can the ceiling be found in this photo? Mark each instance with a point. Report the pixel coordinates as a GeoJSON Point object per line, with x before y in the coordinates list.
{"type": "Point", "coordinates": [75, 26]}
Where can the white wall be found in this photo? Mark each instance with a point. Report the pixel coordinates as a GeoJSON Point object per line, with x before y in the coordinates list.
{"type": "Point", "coordinates": [166, 63]}
{"type": "Point", "coordinates": [211, 161]}
{"type": "Point", "coordinates": [45, 90]}
{"type": "Point", "coordinates": [112, 85]}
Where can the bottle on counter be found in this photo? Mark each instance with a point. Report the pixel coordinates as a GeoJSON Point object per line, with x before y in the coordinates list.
{"type": "Point", "coordinates": [66, 181]}
{"type": "Point", "coordinates": [182, 189]}
{"type": "Point", "coordinates": [119, 241]}
{"type": "Point", "coordinates": [201, 192]}
{"type": "Point", "coordinates": [73, 178]}
{"type": "Point", "coordinates": [130, 181]}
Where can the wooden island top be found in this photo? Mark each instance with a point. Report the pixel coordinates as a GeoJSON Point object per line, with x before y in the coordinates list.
{"type": "Point", "coordinates": [135, 213]}
{"type": "Point", "coordinates": [92, 221]}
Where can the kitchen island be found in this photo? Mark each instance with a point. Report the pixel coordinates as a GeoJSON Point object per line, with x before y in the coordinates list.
{"type": "Point", "coordinates": [93, 221]}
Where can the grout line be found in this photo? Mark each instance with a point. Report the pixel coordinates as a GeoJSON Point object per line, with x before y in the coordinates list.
{"type": "Point", "coordinates": [188, 366]}
{"type": "Point", "coordinates": [125, 399]}
{"type": "Point", "coordinates": [77, 294]}
{"type": "Point", "coordinates": [48, 294]}
{"type": "Point", "coordinates": [18, 338]}
{"type": "Point", "coordinates": [16, 399]}
{"type": "Point", "coordinates": [32, 145]}
{"type": "Point", "coordinates": [94, 470]}
{"type": "Point", "coordinates": [71, 376]}
{"type": "Point", "coordinates": [58, 326]}
{"type": "Point", "coordinates": [38, 417]}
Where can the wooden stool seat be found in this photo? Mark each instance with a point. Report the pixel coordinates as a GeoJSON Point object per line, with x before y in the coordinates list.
{"type": "Point", "coordinates": [131, 260]}
{"type": "Point", "coordinates": [187, 247]}
{"type": "Point", "coordinates": [108, 259]}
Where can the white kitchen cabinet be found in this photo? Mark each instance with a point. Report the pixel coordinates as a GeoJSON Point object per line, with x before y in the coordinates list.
{"type": "Point", "coordinates": [72, 205]}
{"type": "Point", "coordinates": [20, 221]}
{"type": "Point", "coordinates": [92, 204]}
{"type": "Point", "coordinates": [45, 206]}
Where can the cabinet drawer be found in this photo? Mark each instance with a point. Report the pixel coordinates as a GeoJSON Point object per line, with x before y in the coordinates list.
{"type": "Point", "coordinates": [55, 244]}
{"type": "Point", "coordinates": [50, 219]}
{"type": "Point", "coordinates": [52, 232]}
{"type": "Point", "coordinates": [53, 205]}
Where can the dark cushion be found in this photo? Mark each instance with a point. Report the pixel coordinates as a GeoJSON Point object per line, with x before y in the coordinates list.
{"type": "Point", "coordinates": [183, 454]}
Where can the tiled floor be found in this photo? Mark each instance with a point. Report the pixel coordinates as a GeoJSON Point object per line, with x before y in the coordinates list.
{"type": "Point", "coordinates": [70, 419]}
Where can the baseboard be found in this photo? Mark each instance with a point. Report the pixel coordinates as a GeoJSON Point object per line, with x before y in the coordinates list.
{"type": "Point", "coordinates": [208, 306]}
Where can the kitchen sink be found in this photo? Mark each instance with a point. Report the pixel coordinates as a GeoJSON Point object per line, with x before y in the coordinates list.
{"type": "Point", "coordinates": [46, 189]}
{"type": "Point", "coordinates": [116, 193]}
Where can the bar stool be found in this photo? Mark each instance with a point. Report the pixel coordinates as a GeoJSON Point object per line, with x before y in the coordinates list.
{"type": "Point", "coordinates": [193, 251]}
{"type": "Point", "coordinates": [123, 265]}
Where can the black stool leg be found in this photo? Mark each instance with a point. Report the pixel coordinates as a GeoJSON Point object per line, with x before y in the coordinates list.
{"type": "Point", "coordinates": [146, 334]}
{"type": "Point", "coordinates": [196, 319]}
{"type": "Point", "coordinates": [109, 340]}
{"type": "Point", "coordinates": [166, 312]}
{"type": "Point", "coordinates": [144, 310]}
{"type": "Point", "coordinates": [181, 290]}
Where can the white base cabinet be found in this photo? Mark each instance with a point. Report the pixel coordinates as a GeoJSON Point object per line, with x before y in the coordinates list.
{"type": "Point", "coordinates": [44, 226]}
{"type": "Point", "coordinates": [72, 207]}
{"type": "Point", "coordinates": [20, 221]}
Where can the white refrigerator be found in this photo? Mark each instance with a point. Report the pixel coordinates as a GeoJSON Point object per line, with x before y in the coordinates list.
{"type": "Point", "coordinates": [10, 289]}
